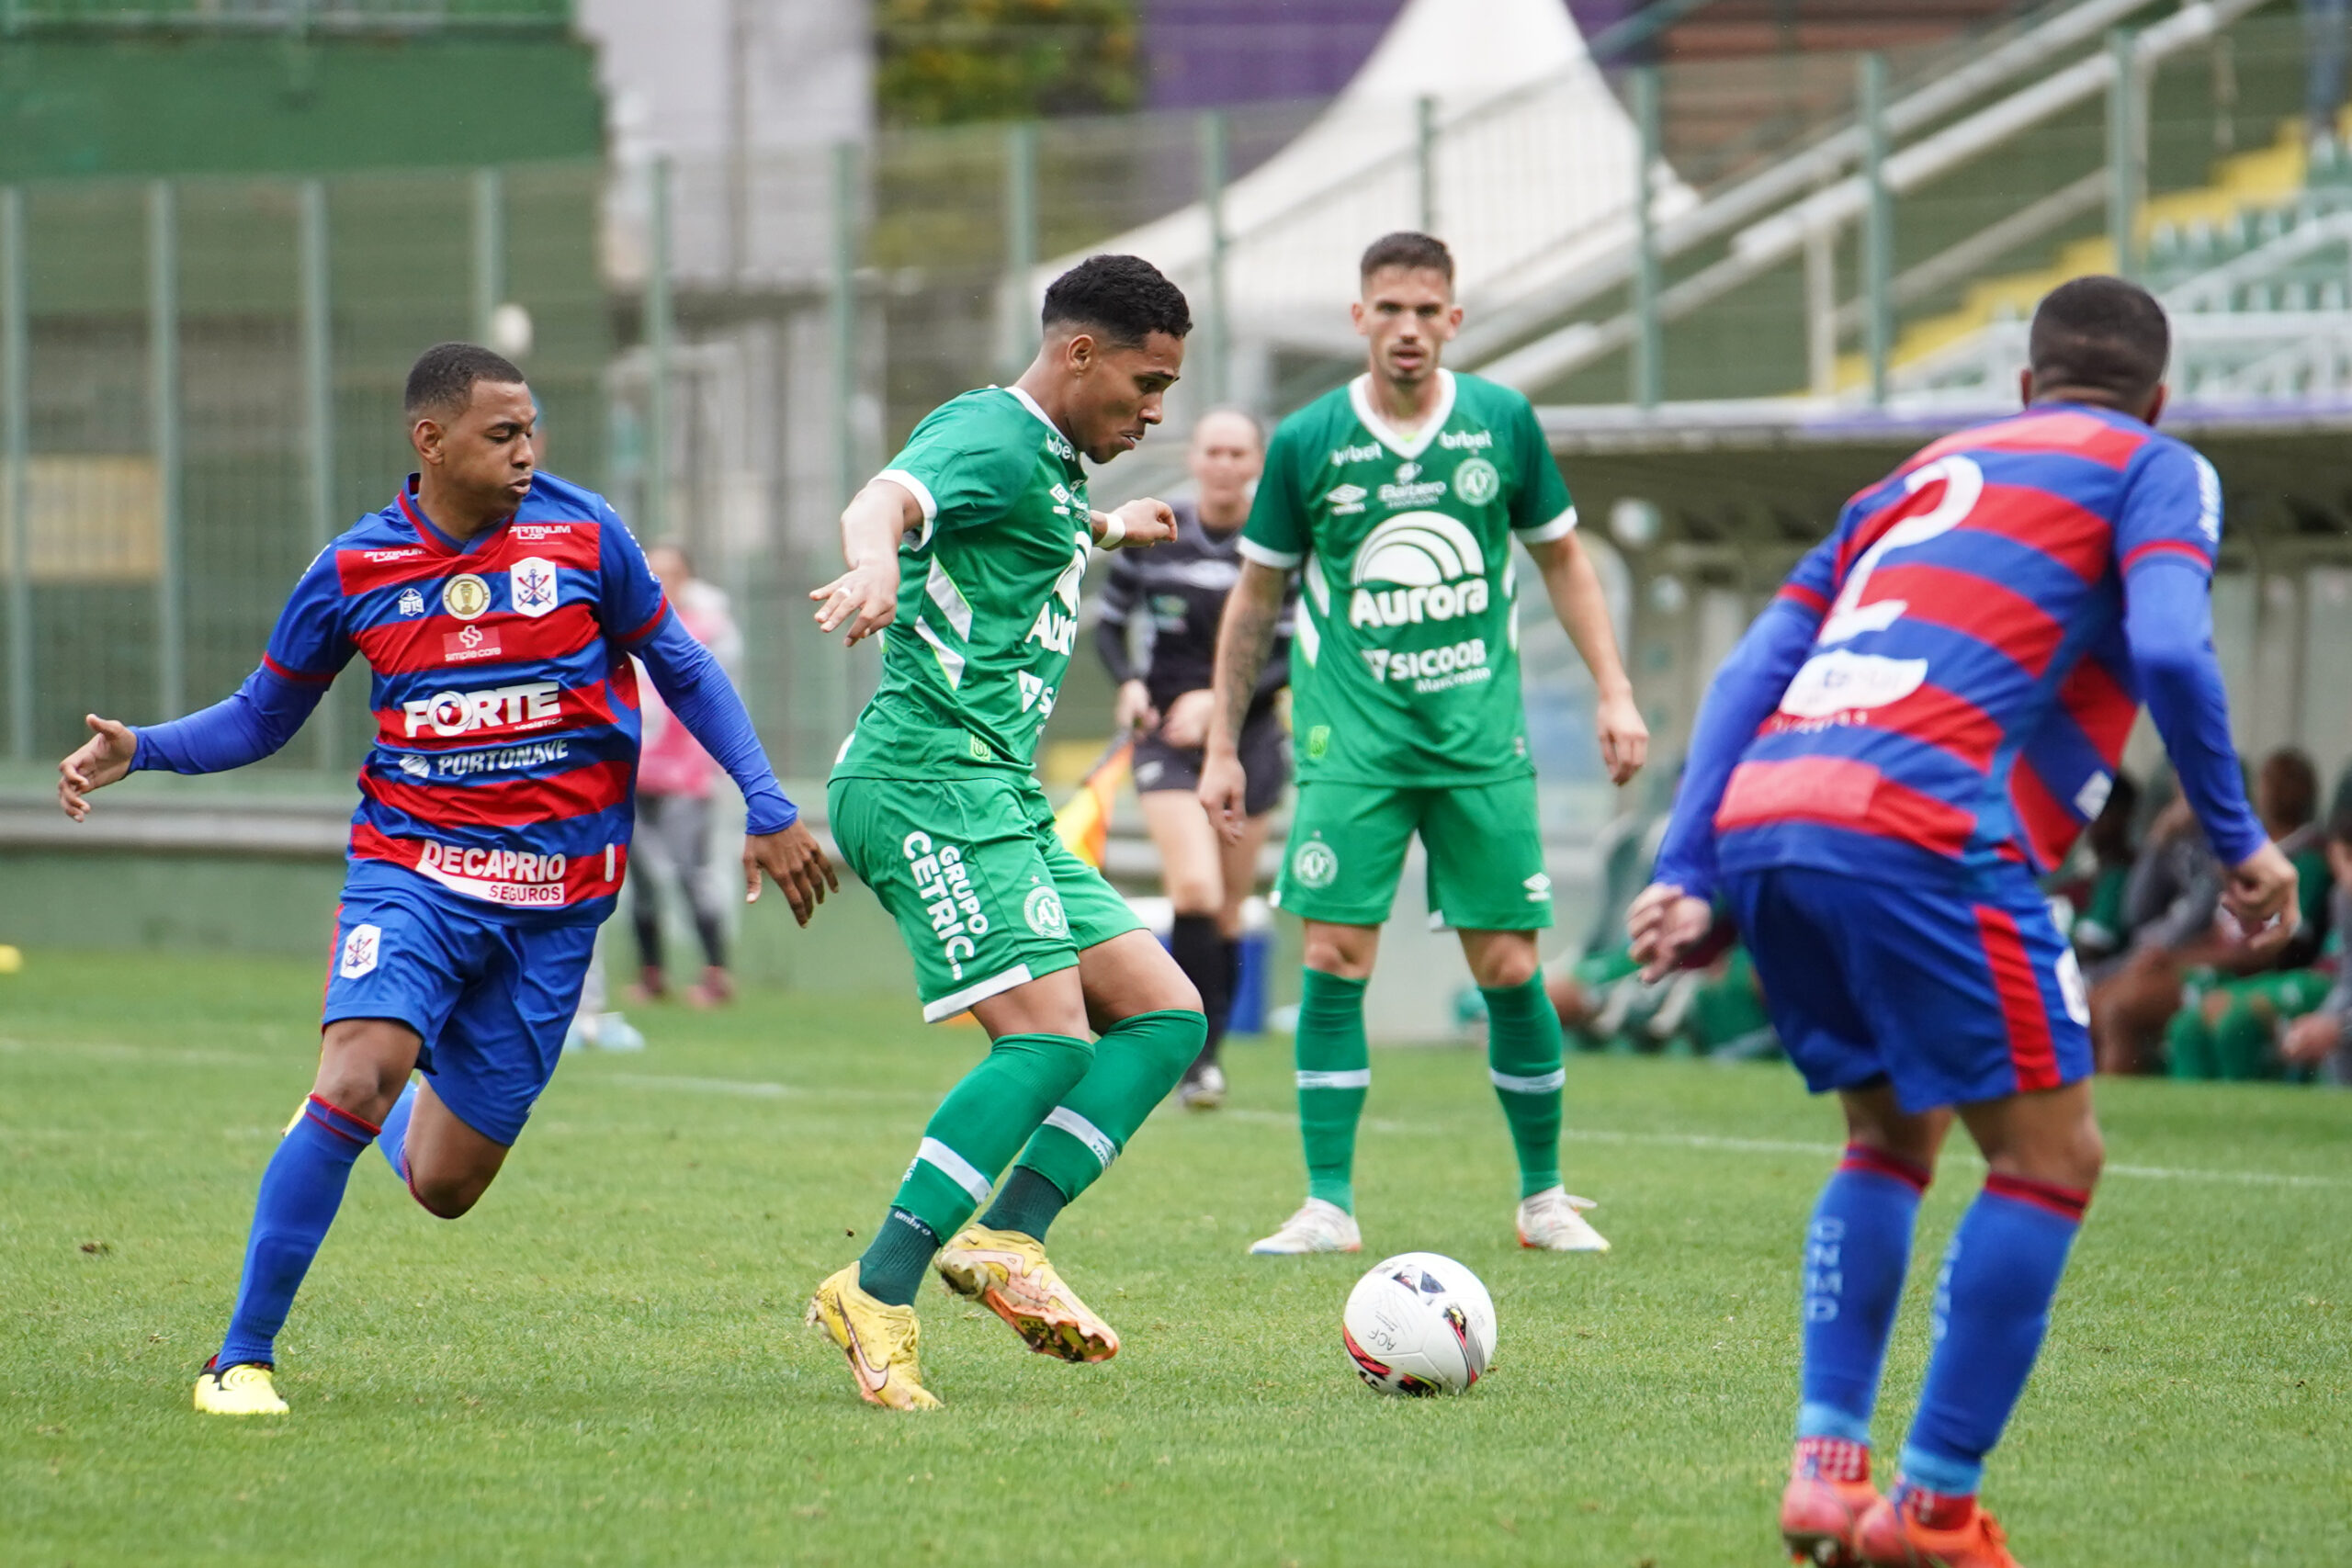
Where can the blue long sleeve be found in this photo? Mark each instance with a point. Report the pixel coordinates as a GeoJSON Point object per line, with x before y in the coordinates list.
{"type": "Point", "coordinates": [254, 723]}
{"type": "Point", "coordinates": [1743, 694]}
{"type": "Point", "coordinates": [705, 700]}
{"type": "Point", "coordinates": [2168, 620]}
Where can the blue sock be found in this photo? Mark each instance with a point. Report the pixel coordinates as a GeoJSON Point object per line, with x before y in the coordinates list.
{"type": "Point", "coordinates": [299, 1193]}
{"type": "Point", "coordinates": [1856, 1252]}
{"type": "Point", "coordinates": [392, 1143]}
{"type": "Point", "coordinates": [1992, 1309]}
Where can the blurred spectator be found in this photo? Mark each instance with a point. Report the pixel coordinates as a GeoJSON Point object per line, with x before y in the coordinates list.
{"type": "Point", "coordinates": [2322, 1037]}
{"type": "Point", "coordinates": [2099, 929]}
{"type": "Point", "coordinates": [2171, 903]}
{"type": "Point", "coordinates": [673, 780]}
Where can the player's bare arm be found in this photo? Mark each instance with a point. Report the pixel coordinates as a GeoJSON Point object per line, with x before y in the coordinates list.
{"type": "Point", "coordinates": [1245, 640]}
{"type": "Point", "coordinates": [98, 761]}
{"type": "Point", "coordinates": [865, 597]}
{"type": "Point", "coordinates": [1136, 524]}
{"type": "Point", "coordinates": [797, 862]}
{"type": "Point", "coordinates": [1577, 598]}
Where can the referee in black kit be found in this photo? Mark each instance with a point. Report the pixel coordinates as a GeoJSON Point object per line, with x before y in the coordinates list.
{"type": "Point", "coordinates": [1158, 637]}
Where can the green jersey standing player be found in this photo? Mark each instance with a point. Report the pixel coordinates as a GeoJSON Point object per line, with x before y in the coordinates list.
{"type": "Point", "coordinates": [1396, 499]}
{"type": "Point", "coordinates": [969, 547]}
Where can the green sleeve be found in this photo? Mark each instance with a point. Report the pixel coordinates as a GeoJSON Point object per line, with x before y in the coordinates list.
{"type": "Point", "coordinates": [963, 470]}
{"type": "Point", "coordinates": [2315, 883]}
{"type": "Point", "coordinates": [1277, 534]}
{"type": "Point", "coordinates": [1541, 510]}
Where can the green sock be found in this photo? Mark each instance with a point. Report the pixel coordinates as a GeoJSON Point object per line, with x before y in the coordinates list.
{"type": "Point", "coordinates": [976, 1130]}
{"type": "Point", "coordinates": [2189, 1046]}
{"type": "Point", "coordinates": [1334, 1074]}
{"type": "Point", "coordinates": [1137, 1062]}
{"type": "Point", "coordinates": [1523, 1058]}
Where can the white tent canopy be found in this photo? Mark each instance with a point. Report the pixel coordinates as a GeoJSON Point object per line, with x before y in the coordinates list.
{"type": "Point", "coordinates": [1533, 172]}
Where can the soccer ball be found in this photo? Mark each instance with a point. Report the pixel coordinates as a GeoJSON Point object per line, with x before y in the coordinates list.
{"type": "Point", "coordinates": [1420, 1324]}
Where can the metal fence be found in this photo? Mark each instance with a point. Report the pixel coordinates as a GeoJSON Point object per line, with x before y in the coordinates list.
{"type": "Point", "coordinates": [199, 378]}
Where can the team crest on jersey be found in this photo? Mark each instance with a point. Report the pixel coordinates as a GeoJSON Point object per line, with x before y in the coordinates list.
{"type": "Point", "coordinates": [1476, 482]}
{"type": "Point", "coordinates": [362, 946]}
{"type": "Point", "coordinates": [531, 585]}
{"type": "Point", "coordinates": [411, 603]}
{"type": "Point", "coordinates": [1316, 865]}
{"type": "Point", "coordinates": [1043, 910]}
{"type": "Point", "coordinates": [465, 596]}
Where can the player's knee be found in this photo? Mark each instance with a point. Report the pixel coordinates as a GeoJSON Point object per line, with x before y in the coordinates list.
{"type": "Point", "coordinates": [1328, 954]}
{"type": "Point", "coordinates": [1195, 894]}
{"type": "Point", "coordinates": [1508, 969]}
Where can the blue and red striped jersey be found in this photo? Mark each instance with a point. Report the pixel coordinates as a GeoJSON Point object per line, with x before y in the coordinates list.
{"type": "Point", "coordinates": [1968, 685]}
{"type": "Point", "coordinates": [505, 704]}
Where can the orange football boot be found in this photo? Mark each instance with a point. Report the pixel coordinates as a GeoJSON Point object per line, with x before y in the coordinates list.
{"type": "Point", "coordinates": [1891, 1537]}
{"type": "Point", "coordinates": [1819, 1514]}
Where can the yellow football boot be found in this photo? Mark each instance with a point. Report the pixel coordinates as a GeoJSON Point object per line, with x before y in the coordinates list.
{"type": "Point", "coordinates": [881, 1342]}
{"type": "Point", "coordinates": [245, 1389]}
{"type": "Point", "coordinates": [1007, 1274]}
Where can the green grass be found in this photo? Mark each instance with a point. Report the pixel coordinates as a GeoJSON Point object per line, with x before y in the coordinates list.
{"type": "Point", "coordinates": [605, 1364]}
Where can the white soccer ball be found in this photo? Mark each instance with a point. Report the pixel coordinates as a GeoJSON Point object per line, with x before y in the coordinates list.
{"type": "Point", "coordinates": [1420, 1324]}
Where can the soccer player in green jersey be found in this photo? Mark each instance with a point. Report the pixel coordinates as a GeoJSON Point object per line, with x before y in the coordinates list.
{"type": "Point", "coordinates": [970, 548]}
{"type": "Point", "coordinates": [1396, 499]}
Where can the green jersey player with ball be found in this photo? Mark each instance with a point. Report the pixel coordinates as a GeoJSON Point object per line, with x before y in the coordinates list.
{"type": "Point", "coordinates": [968, 548]}
{"type": "Point", "coordinates": [1396, 499]}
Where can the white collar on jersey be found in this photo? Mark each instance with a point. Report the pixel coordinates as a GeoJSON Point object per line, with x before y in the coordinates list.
{"type": "Point", "coordinates": [1031, 404]}
{"type": "Point", "coordinates": [1359, 394]}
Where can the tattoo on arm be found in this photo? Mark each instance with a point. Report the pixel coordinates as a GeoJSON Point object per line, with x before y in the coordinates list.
{"type": "Point", "coordinates": [1244, 639]}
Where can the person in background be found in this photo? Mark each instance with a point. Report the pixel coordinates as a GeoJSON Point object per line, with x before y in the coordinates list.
{"type": "Point", "coordinates": [2177, 952]}
{"type": "Point", "coordinates": [674, 779]}
{"type": "Point", "coordinates": [2324, 25]}
{"type": "Point", "coordinates": [2228, 1027]}
{"type": "Point", "coordinates": [2100, 929]}
{"type": "Point", "coordinates": [1158, 638]}
{"type": "Point", "coordinates": [2322, 1038]}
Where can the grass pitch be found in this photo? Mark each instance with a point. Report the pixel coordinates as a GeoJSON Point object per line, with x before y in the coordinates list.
{"type": "Point", "coordinates": [605, 1363]}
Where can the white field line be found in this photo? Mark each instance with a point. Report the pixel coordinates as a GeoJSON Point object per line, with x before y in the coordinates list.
{"type": "Point", "coordinates": [1573, 1135]}
{"type": "Point", "coordinates": [169, 1056]}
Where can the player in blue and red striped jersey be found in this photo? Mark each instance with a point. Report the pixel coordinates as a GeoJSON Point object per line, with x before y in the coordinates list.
{"type": "Point", "coordinates": [1928, 710]}
{"type": "Point", "coordinates": [497, 608]}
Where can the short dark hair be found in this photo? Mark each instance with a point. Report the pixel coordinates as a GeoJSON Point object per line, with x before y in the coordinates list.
{"type": "Point", "coordinates": [2289, 786]}
{"type": "Point", "coordinates": [442, 379]}
{"type": "Point", "coordinates": [1124, 298]}
{"type": "Point", "coordinates": [2101, 334]}
{"type": "Point", "coordinates": [1409, 249]}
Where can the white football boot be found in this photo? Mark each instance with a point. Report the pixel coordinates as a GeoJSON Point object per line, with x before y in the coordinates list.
{"type": "Point", "coordinates": [1550, 1221]}
{"type": "Point", "coordinates": [1319, 1226]}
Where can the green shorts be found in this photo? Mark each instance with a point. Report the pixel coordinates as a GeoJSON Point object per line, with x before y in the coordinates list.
{"type": "Point", "coordinates": [985, 894]}
{"type": "Point", "coordinates": [1484, 844]}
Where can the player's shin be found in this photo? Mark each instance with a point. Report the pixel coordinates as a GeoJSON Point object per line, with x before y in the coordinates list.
{"type": "Point", "coordinates": [1334, 1075]}
{"type": "Point", "coordinates": [1992, 1309]}
{"type": "Point", "coordinates": [1137, 1062]}
{"type": "Point", "coordinates": [1523, 1057]}
{"type": "Point", "coordinates": [300, 1192]}
{"type": "Point", "coordinates": [972, 1135]}
{"type": "Point", "coordinates": [1199, 949]}
{"type": "Point", "coordinates": [1857, 1249]}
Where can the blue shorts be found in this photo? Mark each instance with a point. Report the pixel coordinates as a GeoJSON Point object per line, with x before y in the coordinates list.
{"type": "Point", "coordinates": [490, 996]}
{"type": "Point", "coordinates": [1950, 997]}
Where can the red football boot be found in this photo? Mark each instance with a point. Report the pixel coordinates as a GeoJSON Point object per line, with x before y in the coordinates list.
{"type": "Point", "coordinates": [1829, 1490]}
{"type": "Point", "coordinates": [1894, 1535]}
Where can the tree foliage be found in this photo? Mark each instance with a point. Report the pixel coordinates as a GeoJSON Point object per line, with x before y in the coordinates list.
{"type": "Point", "coordinates": [938, 61]}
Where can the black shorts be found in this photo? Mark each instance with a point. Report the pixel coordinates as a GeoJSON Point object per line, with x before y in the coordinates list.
{"type": "Point", "coordinates": [1265, 759]}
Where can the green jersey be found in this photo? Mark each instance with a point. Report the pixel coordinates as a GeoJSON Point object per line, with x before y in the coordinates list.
{"type": "Point", "coordinates": [1405, 669]}
{"type": "Point", "coordinates": [988, 594]}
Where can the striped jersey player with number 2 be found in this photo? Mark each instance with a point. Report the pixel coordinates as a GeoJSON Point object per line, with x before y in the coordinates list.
{"type": "Point", "coordinates": [1854, 793]}
{"type": "Point", "coordinates": [970, 548]}
{"type": "Point", "coordinates": [497, 608]}
{"type": "Point", "coordinates": [1396, 499]}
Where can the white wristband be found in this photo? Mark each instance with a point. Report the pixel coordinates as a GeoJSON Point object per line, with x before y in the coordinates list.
{"type": "Point", "coordinates": [1114, 531]}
